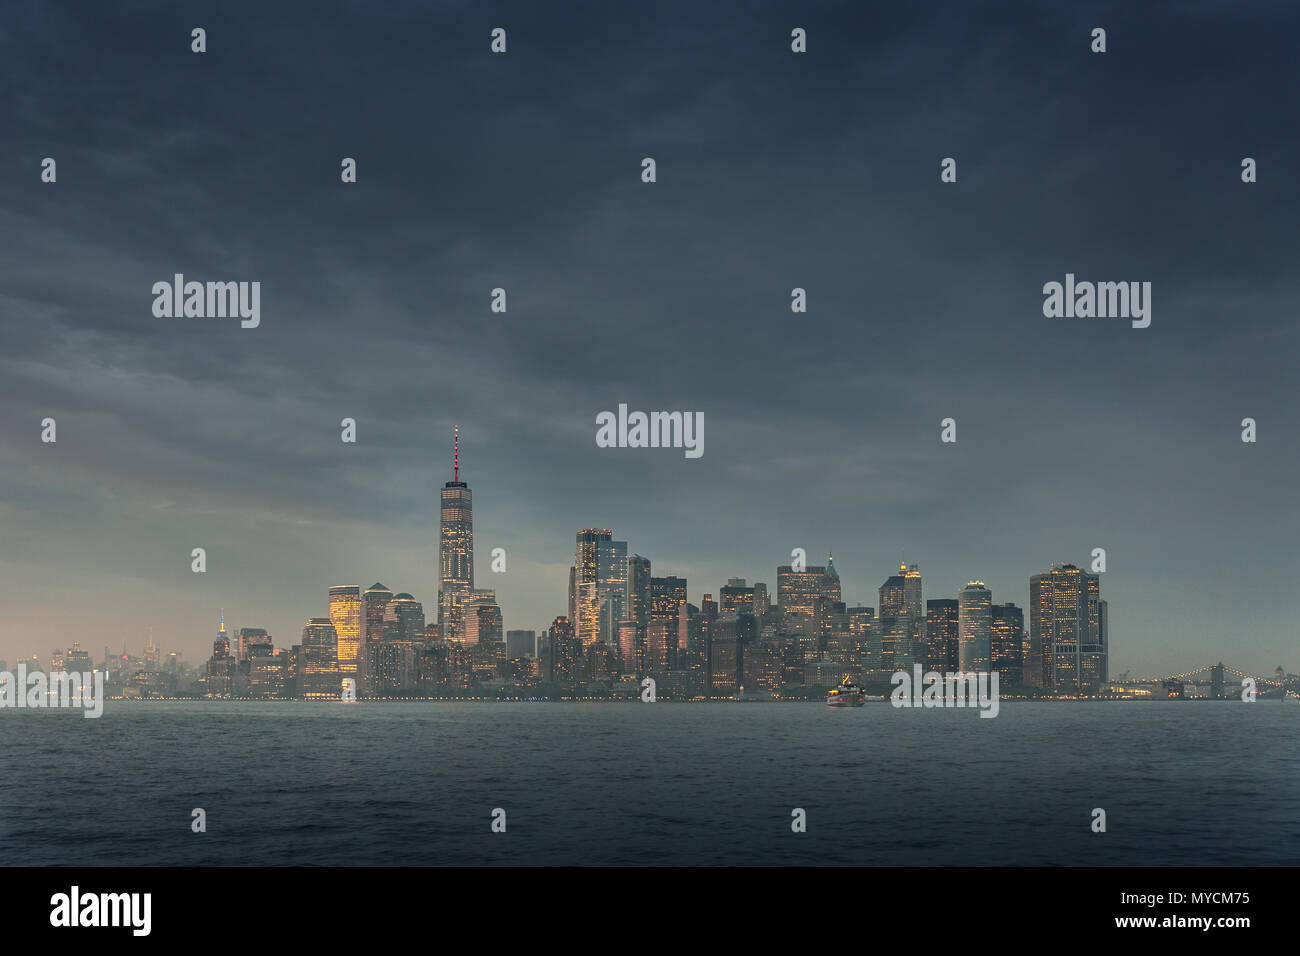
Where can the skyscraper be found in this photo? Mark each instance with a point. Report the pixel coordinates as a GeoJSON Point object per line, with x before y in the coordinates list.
{"type": "Point", "coordinates": [1006, 641]}
{"type": "Point", "coordinates": [521, 644]}
{"type": "Point", "coordinates": [484, 625]}
{"type": "Point", "coordinates": [862, 622]}
{"type": "Point", "coordinates": [373, 605]}
{"type": "Point", "coordinates": [1067, 626]}
{"type": "Point", "coordinates": [252, 641]}
{"type": "Point", "coordinates": [668, 606]}
{"type": "Point", "coordinates": [667, 595]}
{"type": "Point", "coordinates": [902, 592]}
{"type": "Point", "coordinates": [611, 588]}
{"type": "Point", "coordinates": [563, 650]}
{"type": "Point", "coordinates": [586, 582]}
{"type": "Point", "coordinates": [221, 665]}
{"type": "Point", "coordinates": [403, 636]}
{"type": "Point", "coordinates": [941, 634]}
{"type": "Point", "coordinates": [798, 591]}
{"type": "Point", "coordinates": [894, 643]}
{"type": "Point", "coordinates": [345, 615]}
{"type": "Point", "coordinates": [912, 591]}
{"type": "Point", "coordinates": [456, 552]}
{"type": "Point", "coordinates": [317, 661]}
{"type": "Point", "coordinates": [639, 590]}
{"type": "Point", "coordinates": [974, 622]}
{"type": "Point", "coordinates": [736, 596]}
{"type": "Point", "coordinates": [830, 583]}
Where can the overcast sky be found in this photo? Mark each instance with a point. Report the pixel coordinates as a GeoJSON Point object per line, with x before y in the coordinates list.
{"type": "Point", "coordinates": [523, 171]}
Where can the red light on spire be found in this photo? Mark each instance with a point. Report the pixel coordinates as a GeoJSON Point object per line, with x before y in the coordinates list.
{"type": "Point", "coordinates": [455, 461]}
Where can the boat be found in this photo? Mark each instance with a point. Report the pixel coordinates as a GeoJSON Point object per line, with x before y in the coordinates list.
{"type": "Point", "coordinates": [848, 694]}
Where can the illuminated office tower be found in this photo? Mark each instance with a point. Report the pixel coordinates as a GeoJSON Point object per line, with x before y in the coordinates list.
{"type": "Point", "coordinates": [683, 631]}
{"type": "Point", "coordinates": [220, 671]}
{"type": "Point", "coordinates": [1066, 617]}
{"type": "Point", "coordinates": [639, 590]}
{"type": "Point", "coordinates": [862, 621]}
{"type": "Point", "coordinates": [761, 599]}
{"type": "Point", "coordinates": [572, 602]}
{"type": "Point", "coordinates": [1094, 663]}
{"type": "Point", "coordinates": [728, 637]}
{"type": "Point", "coordinates": [912, 590]}
{"type": "Point", "coordinates": [796, 591]}
{"type": "Point", "coordinates": [611, 588]}
{"type": "Point", "coordinates": [830, 582]}
{"type": "Point", "coordinates": [667, 596]}
{"type": "Point", "coordinates": [736, 597]}
{"type": "Point", "coordinates": [345, 614]}
{"type": "Point", "coordinates": [586, 583]}
{"type": "Point", "coordinates": [374, 602]}
{"type": "Point", "coordinates": [404, 620]}
{"type": "Point", "coordinates": [974, 620]}
{"type": "Point", "coordinates": [893, 593]}
{"type": "Point", "coordinates": [253, 642]}
{"type": "Point", "coordinates": [600, 663]}
{"type": "Point", "coordinates": [656, 658]}
{"type": "Point", "coordinates": [708, 618]}
{"type": "Point", "coordinates": [708, 609]}
{"type": "Point", "coordinates": [941, 634]}
{"type": "Point", "coordinates": [1092, 654]}
{"type": "Point", "coordinates": [668, 605]}
{"type": "Point", "coordinates": [221, 646]}
{"type": "Point", "coordinates": [393, 654]}
{"type": "Point", "coordinates": [831, 628]}
{"type": "Point", "coordinates": [484, 625]}
{"type": "Point", "coordinates": [318, 660]}
{"type": "Point", "coordinates": [552, 650]}
{"type": "Point", "coordinates": [150, 654]}
{"type": "Point", "coordinates": [77, 661]}
{"type": "Point", "coordinates": [565, 665]}
{"type": "Point", "coordinates": [629, 646]}
{"type": "Point", "coordinates": [266, 672]}
{"type": "Point", "coordinates": [1006, 642]}
{"type": "Point", "coordinates": [895, 643]}
{"type": "Point", "coordinates": [456, 552]}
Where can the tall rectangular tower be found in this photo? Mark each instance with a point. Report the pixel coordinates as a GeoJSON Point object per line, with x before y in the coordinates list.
{"type": "Point", "coordinates": [456, 552]}
{"type": "Point", "coordinates": [586, 583]}
{"type": "Point", "coordinates": [1066, 621]}
{"type": "Point", "coordinates": [345, 615]}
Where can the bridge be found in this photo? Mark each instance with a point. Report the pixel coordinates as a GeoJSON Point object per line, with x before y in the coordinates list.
{"type": "Point", "coordinates": [1203, 678]}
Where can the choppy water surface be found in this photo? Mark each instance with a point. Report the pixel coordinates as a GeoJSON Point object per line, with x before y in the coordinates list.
{"type": "Point", "coordinates": [1182, 783]}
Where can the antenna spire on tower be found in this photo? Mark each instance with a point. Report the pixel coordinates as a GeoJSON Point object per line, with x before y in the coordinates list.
{"type": "Point", "coordinates": [455, 459]}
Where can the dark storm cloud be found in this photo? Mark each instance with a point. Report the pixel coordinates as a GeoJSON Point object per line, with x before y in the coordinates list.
{"type": "Point", "coordinates": [522, 171]}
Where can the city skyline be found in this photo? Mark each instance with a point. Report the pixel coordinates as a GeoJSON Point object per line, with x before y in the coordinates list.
{"type": "Point", "coordinates": [379, 640]}
{"type": "Point", "coordinates": [455, 563]}
{"type": "Point", "coordinates": [776, 171]}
